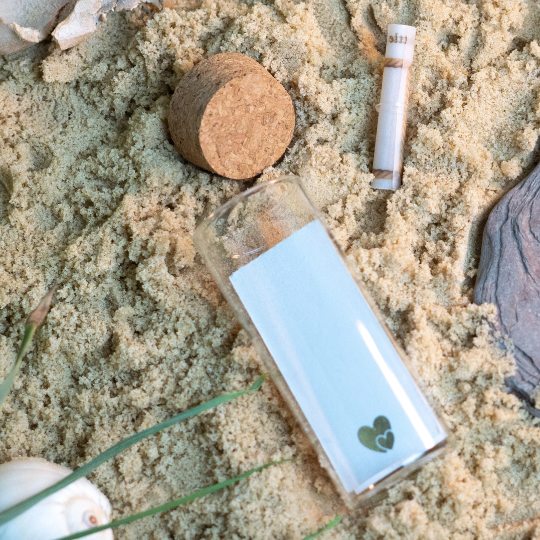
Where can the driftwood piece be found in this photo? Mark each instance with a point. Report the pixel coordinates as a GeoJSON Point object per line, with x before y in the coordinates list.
{"type": "Point", "coordinates": [509, 277]}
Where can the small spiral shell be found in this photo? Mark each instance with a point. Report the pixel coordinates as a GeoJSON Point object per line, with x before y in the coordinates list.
{"type": "Point", "coordinates": [78, 507]}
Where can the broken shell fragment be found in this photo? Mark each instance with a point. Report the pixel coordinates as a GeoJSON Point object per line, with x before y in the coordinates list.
{"type": "Point", "coordinates": [26, 22]}
{"type": "Point", "coordinates": [79, 24]}
{"type": "Point", "coordinates": [87, 15]}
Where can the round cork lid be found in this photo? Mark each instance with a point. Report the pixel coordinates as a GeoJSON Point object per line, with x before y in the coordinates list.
{"type": "Point", "coordinates": [229, 116]}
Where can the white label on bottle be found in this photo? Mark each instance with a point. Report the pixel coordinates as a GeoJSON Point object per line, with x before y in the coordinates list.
{"type": "Point", "coordinates": [339, 363]}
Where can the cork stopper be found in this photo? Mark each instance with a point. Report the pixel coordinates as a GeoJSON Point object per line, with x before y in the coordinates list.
{"type": "Point", "coordinates": [229, 116]}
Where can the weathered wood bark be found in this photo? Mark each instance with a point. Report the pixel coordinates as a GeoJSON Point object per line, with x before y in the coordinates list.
{"type": "Point", "coordinates": [509, 277]}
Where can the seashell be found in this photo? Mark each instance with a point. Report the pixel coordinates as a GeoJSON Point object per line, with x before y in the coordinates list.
{"type": "Point", "coordinates": [23, 23]}
{"type": "Point", "coordinates": [76, 508]}
{"type": "Point", "coordinates": [26, 22]}
{"type": "Point", "coordinates": [87, 15]}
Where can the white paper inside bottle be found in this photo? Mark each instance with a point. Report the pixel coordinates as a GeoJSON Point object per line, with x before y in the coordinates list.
{"type": "Point", "coordinates": [335, 356]}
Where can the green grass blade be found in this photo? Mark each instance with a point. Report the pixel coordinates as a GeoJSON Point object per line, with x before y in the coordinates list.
{"type": "Point", "coordinates": [85, 470]}
{"type": "Point", "coordinates": [32, 324]}
{"type": "Point", "coordinates": [7, 383]}
{"type": "Point", "coordinates": [331, 525]}
{"type": "Point", "coordinates": [172, 504]}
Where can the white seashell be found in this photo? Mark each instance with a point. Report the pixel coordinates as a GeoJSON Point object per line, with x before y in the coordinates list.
{"type": "Point", "coordinates": [78, 507]}
{"type": "Point", "coordinates": [80, 23]}
{"type": "Point", "coordinates": [25, 22]}
{"type": "Point", "coordinates": [87, 15]}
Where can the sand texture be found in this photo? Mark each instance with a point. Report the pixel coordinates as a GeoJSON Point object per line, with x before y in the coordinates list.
{"type": "Point", "coordinates": [94, 196]}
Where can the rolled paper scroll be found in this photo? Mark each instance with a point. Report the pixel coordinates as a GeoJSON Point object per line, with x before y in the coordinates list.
{"type": "Point", "coordinates": [387, 161]}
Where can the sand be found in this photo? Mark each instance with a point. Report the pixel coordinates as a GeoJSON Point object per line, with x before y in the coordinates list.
{"type": "Point", "coordinates": [94, 196]}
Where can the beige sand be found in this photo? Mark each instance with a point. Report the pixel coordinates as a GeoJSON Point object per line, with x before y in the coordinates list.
{"type": "Point", "coordinates": [94, 196]}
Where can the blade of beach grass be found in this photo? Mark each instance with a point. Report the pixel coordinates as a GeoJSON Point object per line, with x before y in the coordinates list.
{"type": "Point", "coordinates": [85, 470]}
{"type": "Point", "coordinates": [172, 504]}
{"type": "Point", "coordinates": [330, 525]}
{"type": "Point", "coordinates": [32, 324]}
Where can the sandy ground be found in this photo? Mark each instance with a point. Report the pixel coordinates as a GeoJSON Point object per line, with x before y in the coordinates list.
{"type": "Point", "coordinates": [94, 196]}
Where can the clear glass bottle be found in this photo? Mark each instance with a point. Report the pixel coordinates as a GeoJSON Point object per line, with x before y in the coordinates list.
{"type": "Point", "coordinates": [321, 338]}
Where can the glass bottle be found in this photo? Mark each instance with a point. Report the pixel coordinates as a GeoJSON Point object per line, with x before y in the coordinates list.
{"type": "Point", "coordinates": [321, 337]}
